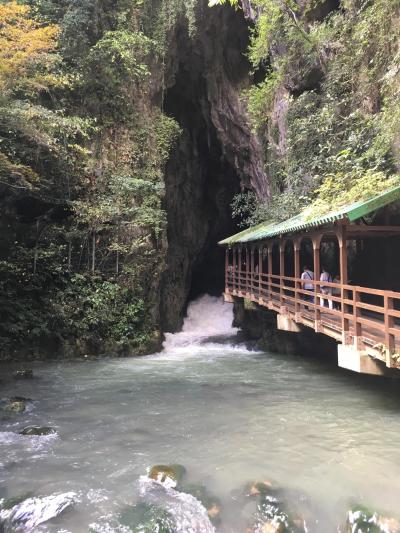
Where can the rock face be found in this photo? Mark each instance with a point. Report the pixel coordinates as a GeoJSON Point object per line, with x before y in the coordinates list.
{"type": "Point", "coordinates": [216, 156]}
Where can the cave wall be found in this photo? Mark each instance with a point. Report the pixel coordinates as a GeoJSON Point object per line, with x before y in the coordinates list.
{"type": "Point", "coordinates": [216, 155]}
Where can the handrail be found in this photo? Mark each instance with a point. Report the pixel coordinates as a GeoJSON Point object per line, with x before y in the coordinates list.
{"type": "Point", "coordinates": [360, 321]}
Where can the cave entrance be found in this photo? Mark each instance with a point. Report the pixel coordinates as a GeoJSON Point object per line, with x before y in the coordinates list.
{"type": "Point", "coordinates": [200, 180]}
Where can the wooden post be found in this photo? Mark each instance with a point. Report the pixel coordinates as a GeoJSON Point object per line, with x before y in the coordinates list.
{"type": "Point", "coordinates": [234, 265]}
{"type": "Point", "coordinates": [260, 273]}
{"type": "Point", "coordinates": [247, 258]}
{"type": "Point", "coordinates": [282, 243]}
{"type": "Point", "coordinates": [316, 241]}
{"type": "Point", "coordinates": [252, 271]}
{"type": "Point", "coordinates": [240, 269]}
{"type": "Point", "coordinates": [342, 238]}
{"type": "Point", "coordinates": [270, 248]}
{"type": "Point", "coordinates": [227, 269]}
{"type": "Point", "coordinates": [389, 338]}
{"type": "Point", "coordinates": [297, 284]}
{"type": "Point", "coordinates": [357, 325]}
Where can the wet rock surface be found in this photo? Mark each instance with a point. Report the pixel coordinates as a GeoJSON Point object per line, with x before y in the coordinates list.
{"type": "Point", "coordinates": [25, 515]}
{"type": "Point", "coordinates": [361, 519]}
{"type": "Point", "coordinates": [38, 430]}
{"type": "Point", "coordinates": [168, 473]}
{"type": "Point", "coordinates": [26, 373]}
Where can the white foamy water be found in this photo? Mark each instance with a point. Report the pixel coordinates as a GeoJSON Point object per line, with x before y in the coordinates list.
{"type": "Point", "coordinates": [209, 319]}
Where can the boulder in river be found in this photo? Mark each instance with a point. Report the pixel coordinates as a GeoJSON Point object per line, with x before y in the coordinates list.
{"type": "Point", "coordinates": [282, 511]}
{"type": "Point", "coordinates": [14, 406]}
{"type": "Point", "coordinates": [360, 519]}
{"type": "Point", "coordinates": [26, 515]}
{"type": "Point", "coordinates": [38, 430]}
{"type": "Point", "coordinates": [26, 373]}
{"type": "Point", "coordinates": [145, 518]}
{"type": "Point", "coordinates": [211, 503]}
{"type": "Point", "coordinates": [169, 474]}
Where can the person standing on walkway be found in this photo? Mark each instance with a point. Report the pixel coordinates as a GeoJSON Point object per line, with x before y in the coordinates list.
{"type": "Point", "coordinates": [307, 277]}
{"type": "Point", "coordinates": [326, 276]}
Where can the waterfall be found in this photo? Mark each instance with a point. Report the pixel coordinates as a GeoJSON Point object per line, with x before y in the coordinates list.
{"type": "Point", "coordinates": [208, 323]}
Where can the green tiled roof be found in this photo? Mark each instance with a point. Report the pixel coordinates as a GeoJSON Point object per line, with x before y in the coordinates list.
{"type": "Point", "coordinates": [301, 222]}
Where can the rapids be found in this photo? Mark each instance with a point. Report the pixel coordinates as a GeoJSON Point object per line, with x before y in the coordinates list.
{"type": "Point", "coordinates": [229, 415]}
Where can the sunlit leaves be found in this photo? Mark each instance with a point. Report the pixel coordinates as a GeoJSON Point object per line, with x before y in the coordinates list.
{"type": "Point", "coordinates": [26, 48]}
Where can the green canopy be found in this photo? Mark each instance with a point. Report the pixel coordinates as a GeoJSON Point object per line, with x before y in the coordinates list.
{"type": "Point", "coordinates": [301, 222]}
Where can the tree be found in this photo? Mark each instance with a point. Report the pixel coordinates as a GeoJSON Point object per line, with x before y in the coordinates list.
{"type": "Point", "coordinates": [26, 47]}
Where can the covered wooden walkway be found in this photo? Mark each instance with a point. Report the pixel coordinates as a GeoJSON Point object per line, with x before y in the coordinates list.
{"type": "Point", "coordinates": [263, 265]}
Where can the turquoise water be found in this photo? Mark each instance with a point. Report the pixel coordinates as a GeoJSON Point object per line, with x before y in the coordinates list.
{"type": "Point", "coordinates": [227, 414]}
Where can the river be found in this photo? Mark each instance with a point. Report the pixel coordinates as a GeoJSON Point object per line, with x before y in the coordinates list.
{"type": "Point", "coordinates": [228, 414]}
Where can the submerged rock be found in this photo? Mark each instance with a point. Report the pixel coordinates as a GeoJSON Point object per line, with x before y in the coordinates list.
{"type": "Point", "coordinates": [211, 503]}
{"type": "Point", "coordinates": [26, 373]}
{"type": "Point", "coordinates": [187, 512]}
{"type": "Point", "coordinates": [280, 510]}
{"type": "Point", "coordinates": [13, 406]}
{"type": "Point", "coordinates": [145, 518]}
{"type": "Point", "coordinates": [360, 519]}
{"type": "Point", "coordinates": [169, 474]}
{"type": "Point", "coordinates": [38, 430]}
{"type": "Point", "coordinates": [25, 515]}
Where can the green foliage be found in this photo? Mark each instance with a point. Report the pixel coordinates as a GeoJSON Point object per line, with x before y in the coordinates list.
{"type": "Point", "coordinates": [81, 173]}
{"type": "Point", "coordinates": [114, 67]}
{"type": "Point", "coordinates": [342, 189]}
{"type": "Point", "coordinates": [260, 99]}
{"type": "Point", "coordinates": [328, 109]}
{"type": "Point", "coordinates": [91, 307]}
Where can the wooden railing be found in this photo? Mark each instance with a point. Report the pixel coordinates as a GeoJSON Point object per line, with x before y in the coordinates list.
{"type": "Point", "coordinates": [367, 318]}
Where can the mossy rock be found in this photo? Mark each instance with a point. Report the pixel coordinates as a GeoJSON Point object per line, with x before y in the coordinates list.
{"type": "Point", "coordinates": [26, 373]}
{"type": "Point", "coordinates": [162, 472]}
{"type": "Point", "coordinates": [38, 430]}
{"type": "Point", "coordinates": [210, 502]}
{"type": "Point", "coordinates": [364, 520]}
{"type": "Point", "coordinates": [9, 503]}
{"type": "Point", "coordinates": [279, 510]}
{"type": "Point", "coordinates": [145, 518]}
{"type": "Point", "coordinates": [14, 407]}
{"type": "Point", "coordinates": [258, 488]}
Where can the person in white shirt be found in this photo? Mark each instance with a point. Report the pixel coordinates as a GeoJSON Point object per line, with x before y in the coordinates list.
{"type": "Point", "coordinates": [325, 276]}
{"type": "Point", "coordinates": [306, 277]}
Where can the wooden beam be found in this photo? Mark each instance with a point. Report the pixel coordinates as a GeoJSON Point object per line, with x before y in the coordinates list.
{"type": "Point", "coordinates": [282, 243]}
{"type": "Point", "coordinates": [297, 274]}
{"type": "Point", "coordinates": [260, 272]}
{"type": "Point", "coordinates": [316, 242]}
{"type": "Point", "coordinates": [270, 272]}
{"type": "Point", "coordinates": [342, 238]}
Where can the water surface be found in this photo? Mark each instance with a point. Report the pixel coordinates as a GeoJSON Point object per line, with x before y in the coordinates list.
{"type": "Point", "coordinates": [228, 414]}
